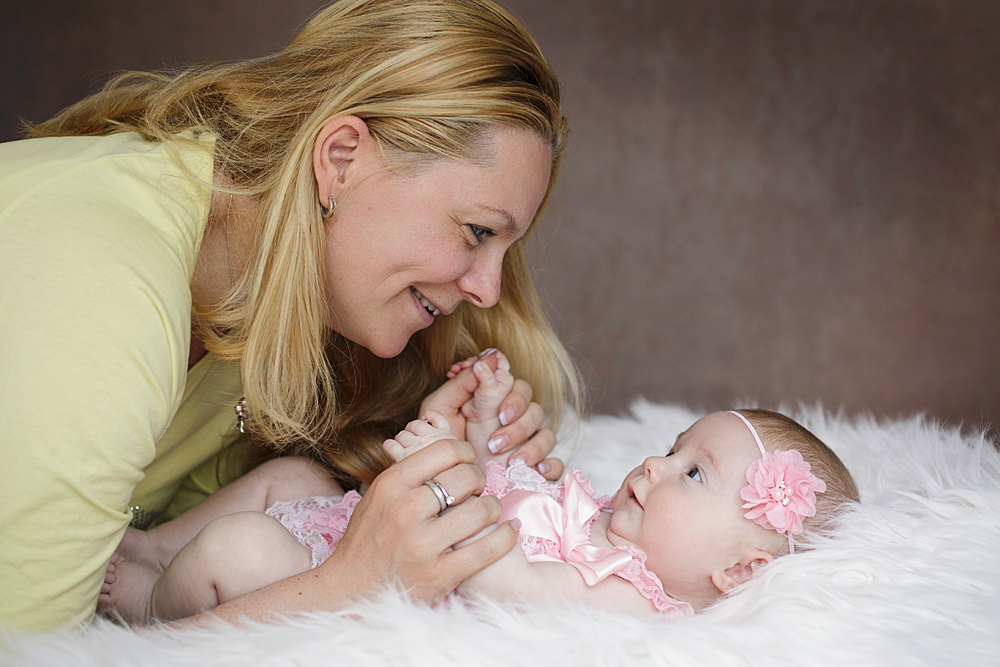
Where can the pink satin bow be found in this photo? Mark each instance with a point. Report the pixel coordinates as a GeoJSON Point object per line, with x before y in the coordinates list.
{"type": "Point", "coordinates": [541, 516]}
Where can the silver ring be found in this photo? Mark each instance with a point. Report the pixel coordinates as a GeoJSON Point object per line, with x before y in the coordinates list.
{"type": "Point", "coordinates": [443, 498]}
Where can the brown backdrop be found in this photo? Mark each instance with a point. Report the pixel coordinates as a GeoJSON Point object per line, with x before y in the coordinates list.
{"type": "Point", "coordinates": [778, 201]}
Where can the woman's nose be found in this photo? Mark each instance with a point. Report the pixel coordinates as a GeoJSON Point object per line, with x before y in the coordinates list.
{"type": "Point", "coordinates": [480, 285]}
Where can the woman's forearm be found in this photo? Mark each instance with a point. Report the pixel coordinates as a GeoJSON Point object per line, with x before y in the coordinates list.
{"type": "Point", "coordinates": [314, 590]}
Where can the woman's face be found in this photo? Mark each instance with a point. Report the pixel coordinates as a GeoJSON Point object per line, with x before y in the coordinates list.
{"type": "Point", "coordinates": [404, 250]}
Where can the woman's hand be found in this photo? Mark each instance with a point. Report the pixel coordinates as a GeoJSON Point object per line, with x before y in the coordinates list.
{"type": "Point", "coordinates": [522, 418]}
{"type": "Point", "coordinates": [396, 533]}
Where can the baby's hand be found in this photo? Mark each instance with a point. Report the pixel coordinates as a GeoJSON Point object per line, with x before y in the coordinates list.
{"type": "Point", "coordinates": [460, 366]}
{"type": "Point", "coordinates": [484, 406]}
{"type": "Point", "coordinates": [418, 434]}
{"type": "Point", "coordinates": [482, 411]}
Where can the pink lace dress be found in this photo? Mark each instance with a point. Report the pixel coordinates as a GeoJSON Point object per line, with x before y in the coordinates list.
{"type": "Point", "coordinates": [318, 522]}
{"type": "Point", "coordinates": [501, 482]}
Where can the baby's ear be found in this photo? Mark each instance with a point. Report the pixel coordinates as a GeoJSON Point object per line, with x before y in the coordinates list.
{"type": "Point", "coordinates": [736, 574]}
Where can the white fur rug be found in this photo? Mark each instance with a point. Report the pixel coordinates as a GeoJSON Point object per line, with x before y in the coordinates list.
{"type": "Point", "coordinates": [911, 578]}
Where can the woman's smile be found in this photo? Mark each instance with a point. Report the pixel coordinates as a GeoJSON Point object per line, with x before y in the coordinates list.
{"type": "Point", "coordinates": [428, 307]}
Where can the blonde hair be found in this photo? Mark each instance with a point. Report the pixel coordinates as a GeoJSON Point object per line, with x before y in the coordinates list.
{"type": "Point", "coordinates": [777, 431]}
{"type": "Point", "coordinates": [430, 78]}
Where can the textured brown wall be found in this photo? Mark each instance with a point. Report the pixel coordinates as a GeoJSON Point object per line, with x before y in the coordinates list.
{"type": "Point", "coordinates": [764, 200]}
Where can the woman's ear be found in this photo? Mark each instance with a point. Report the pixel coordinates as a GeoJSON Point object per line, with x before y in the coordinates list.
{"type": "Point", "coordinates": [742, 570]}
{"type": "Point", "coordinates": [340, 146]}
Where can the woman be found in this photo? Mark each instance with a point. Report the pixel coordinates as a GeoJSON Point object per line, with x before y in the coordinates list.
{"type": "Point", "coordinates": [333, 224]}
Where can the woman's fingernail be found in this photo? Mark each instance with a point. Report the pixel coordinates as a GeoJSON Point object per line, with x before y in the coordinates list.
{"type": "Point", "coordinates": [543, 468]}
{"type": "Point", "coordinates": [511, 460]}
{"type": "Point", "coordinates": [516, 524]}
{"type": "Point", "coordinates": [507, 416]}
{"type": "Point", "coordinates": [486, 353]}
{"type": "Point", "coordinates": [479, 367]}
{"type": "Point", "coordinates": [498, 444]}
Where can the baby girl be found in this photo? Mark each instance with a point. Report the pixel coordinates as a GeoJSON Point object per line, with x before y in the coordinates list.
{"type": "Point", "coordinates": [683, 528]}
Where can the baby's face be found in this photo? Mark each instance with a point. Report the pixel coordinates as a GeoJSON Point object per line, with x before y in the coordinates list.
{"type": "Point", "coordinates": [684, 509]}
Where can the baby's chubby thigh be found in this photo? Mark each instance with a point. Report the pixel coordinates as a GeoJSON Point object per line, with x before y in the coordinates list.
{"type": "Point", "coordinates": [239, 553]}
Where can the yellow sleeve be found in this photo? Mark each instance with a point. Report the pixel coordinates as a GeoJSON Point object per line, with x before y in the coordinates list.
{"type": "Point", "coordinates": [98, 238]}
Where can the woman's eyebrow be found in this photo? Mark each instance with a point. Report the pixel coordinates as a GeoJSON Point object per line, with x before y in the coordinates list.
{"type": "Point", "coordinates": [511, 227]}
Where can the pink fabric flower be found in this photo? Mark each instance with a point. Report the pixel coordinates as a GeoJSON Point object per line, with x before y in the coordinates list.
{"type": "Point", "coordinates": [781, 491]}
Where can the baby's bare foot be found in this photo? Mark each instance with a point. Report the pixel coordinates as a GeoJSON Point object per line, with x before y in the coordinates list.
{"type": "Point", "coordinates": [128, 590]}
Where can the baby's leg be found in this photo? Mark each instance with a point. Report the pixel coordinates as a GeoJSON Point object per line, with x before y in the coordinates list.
{"type": "Point", "coordinates": [233, 555]}
{"type": "Point", "coordinates": [418, 434]}
{"type": "Point", "coordinates": [279, 479]}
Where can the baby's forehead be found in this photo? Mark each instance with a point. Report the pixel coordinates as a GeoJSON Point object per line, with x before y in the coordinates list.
{"type": "Point", "coordinates": [723, 440]}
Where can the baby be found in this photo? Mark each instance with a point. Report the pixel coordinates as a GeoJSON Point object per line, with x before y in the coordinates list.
{"type": "Point", "coordinates": [683, 528]}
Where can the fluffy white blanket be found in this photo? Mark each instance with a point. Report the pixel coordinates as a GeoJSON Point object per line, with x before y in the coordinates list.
{"type": "Point", "coordinates": [912, 577]}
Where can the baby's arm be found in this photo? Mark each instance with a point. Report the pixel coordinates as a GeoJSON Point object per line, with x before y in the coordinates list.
{"type": "Point", "coordinates": [514, 579]}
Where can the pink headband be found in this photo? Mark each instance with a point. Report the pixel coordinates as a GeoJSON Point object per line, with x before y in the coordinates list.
{"type": "Point", "coordinates": [780, 491]}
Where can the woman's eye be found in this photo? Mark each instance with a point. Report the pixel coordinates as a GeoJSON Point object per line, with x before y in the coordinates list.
{"type": "Point", "coordinates": [694, 474]}
{"type": "Point", "coordinates": [481, 233]}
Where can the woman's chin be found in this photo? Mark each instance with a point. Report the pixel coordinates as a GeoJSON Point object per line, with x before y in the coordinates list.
{"type": "Point", "coordinates": [387, 349]}
{"type": "Point", "coordinates": [384, 348]}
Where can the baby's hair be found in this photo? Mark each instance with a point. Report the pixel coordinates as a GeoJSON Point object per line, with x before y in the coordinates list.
{"type": "Point", "coordinates": [780, 432]}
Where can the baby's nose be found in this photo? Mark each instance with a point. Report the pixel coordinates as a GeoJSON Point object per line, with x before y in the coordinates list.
{"type": "Point", "coordinates": [653, 466]}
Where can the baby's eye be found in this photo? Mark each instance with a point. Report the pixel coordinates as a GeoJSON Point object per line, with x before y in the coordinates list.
{"type": "Point", "coordinates": [695, 474]}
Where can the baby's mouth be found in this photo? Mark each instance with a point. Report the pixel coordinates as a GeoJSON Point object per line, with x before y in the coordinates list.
{"type": "Point", "coordinates": [430, 307]}
{"type": "Point", "coordinates": [631, 494]}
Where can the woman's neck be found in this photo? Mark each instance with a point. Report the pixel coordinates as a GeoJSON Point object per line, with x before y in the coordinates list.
{"type": "Point", "coordinates": [223, 251]}
{"type": "Point", "coordinates": [221, 256]}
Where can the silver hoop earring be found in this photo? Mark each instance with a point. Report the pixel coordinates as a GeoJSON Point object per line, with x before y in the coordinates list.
{"type": "Point", "coordinates": [328, 212]}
